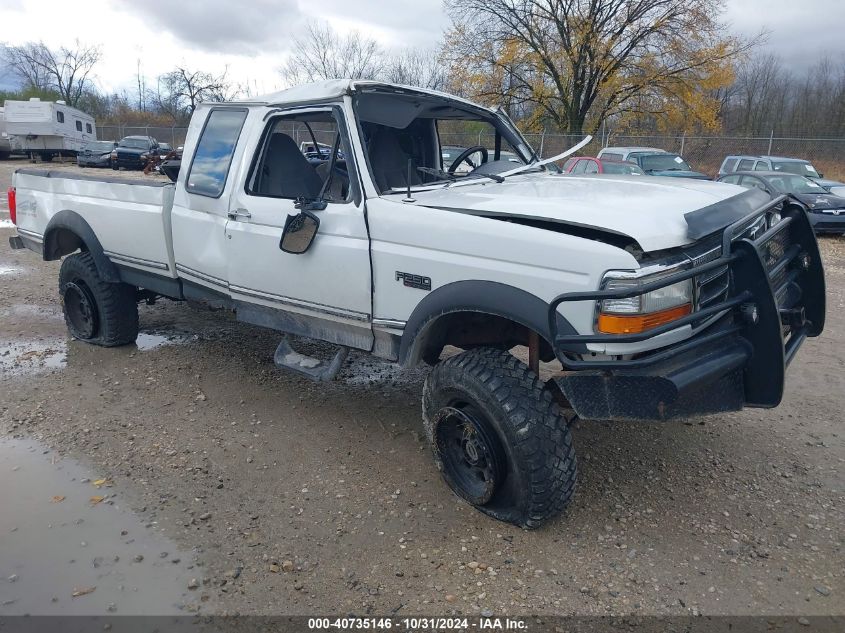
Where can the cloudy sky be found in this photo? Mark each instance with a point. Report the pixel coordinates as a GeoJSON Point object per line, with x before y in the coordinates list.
{"type": "Point", "coordinates": [251, 37]}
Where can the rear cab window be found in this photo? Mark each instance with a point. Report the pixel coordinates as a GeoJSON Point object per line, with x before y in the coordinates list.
{"type": "Point", "coordinates": [215, 149]}
{"type": "Point", "coordinates": [611, 156]}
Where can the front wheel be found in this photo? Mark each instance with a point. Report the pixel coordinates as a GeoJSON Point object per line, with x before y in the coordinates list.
{"type": "Point", "coordinates": [96, 311]}
{"type": "Point", "coordinates": [499, 439]}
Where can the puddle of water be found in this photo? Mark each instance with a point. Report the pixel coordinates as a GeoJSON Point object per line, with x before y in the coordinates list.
{"type": "Point", "coordinates": [9, 270]}
{"type": "Point", "coordinates": [30, 310]}
{"type": "Point", "coordinates": [29, 357]}
{"type": "Point", "coordinates": [151, 340]}
{"type": "Point", "coordinates": [22, 357]}
{"type": "Point", "coordinates": [56, 539]}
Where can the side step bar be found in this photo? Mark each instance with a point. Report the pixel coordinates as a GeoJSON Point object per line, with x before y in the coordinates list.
{"type": "Point", "coordinates": [320, 371]}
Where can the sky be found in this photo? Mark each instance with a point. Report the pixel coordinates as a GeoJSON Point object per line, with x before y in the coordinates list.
{"type": "Point", "coordinates": [251, 38]}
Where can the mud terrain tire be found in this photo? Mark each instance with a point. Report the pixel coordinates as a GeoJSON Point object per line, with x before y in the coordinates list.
{"type": "Point", "coordinates": [96, 311]}
{"type": "Point", "coordinates": [499, 439]}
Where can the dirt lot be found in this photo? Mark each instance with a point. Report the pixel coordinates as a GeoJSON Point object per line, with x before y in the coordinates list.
{"type": "Point", "coordinates": [297, 498]}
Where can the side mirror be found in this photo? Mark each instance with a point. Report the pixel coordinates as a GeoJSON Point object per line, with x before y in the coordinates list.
{"type": "Point", "coordinates": [821, 175]}
{"type": "Point", "coordinates": [299, 232]}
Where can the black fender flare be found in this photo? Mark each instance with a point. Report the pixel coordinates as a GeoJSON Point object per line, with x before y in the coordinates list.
{"type": "Point", "coordinates": [487, 297]}
{"type": "Point", "coordinates": [55, 247]}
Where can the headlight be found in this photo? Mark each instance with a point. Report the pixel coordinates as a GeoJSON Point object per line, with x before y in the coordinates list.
{"type": "Point", "coordinates": [113, 155]}
{"type": "Point", "coordinates": [774, 218]}
{"type": "Point", "coordinates": [644, 311]}
{"type": "Point", "coordinates": [144, 156]}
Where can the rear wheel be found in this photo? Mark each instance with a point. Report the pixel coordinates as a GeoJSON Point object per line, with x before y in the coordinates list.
{"type": "Point", "coordinates": [499, 439]}
{"type": "Point", "coordinates": [96, 311]}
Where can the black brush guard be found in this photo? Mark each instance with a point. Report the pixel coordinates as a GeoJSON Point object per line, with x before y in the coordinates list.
{"type": "Point", "coordinates": [775, 300]}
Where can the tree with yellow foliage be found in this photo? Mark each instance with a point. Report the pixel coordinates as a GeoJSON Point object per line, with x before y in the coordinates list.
{"type": "Point", "coordinates": [571, 64]}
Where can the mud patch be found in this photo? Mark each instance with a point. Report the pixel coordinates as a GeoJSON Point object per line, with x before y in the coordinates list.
{"type": "Point", "coordinates": [71, 547]}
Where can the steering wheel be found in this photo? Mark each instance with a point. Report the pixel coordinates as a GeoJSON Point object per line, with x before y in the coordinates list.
{"type": "Point", "coordinates": [464, 155]}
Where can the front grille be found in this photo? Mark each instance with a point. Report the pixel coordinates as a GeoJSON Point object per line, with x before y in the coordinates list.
{"type": "Point", "coordinates": [713, 286]}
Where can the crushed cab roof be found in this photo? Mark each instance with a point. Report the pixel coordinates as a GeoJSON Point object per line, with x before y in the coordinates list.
{"type": "Point", "coordinates": [336, 88]}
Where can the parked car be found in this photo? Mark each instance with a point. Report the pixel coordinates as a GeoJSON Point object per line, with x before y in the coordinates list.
{"type": "Point", "coordinates": [666, 164]}
{"type": "Point", "coordinates": [164, 149]}
{"type": "Point", "coordinates": [656, 299]}
{"type": "Point", "coordinates": [799, 166]}
{"type": "Point", "coordinates": [626, 153]}
{"type": "Point", "coordinates": [133, 152]}
{"type": "Point", "coordinates": [825, 210]}
{"type": "Point", "coordinates": [590, 165]}
{"type": "Point", "coordinates": [96, 154]}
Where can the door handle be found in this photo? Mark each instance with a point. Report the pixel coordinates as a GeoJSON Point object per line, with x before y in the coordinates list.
{"type": "Point", "coordinates": [238, 214]}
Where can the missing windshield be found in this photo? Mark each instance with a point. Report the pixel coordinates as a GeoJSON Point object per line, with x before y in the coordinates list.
{"type": "Point", "coordinates": [442, 140]}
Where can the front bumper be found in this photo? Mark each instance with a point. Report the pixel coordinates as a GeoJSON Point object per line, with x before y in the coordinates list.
{"type": "Point", "coordinates": [130, 161]}
{"type": "Point", "coordinates": [736, 361]}
{"type": "Point", "coordinates": [828, 222]}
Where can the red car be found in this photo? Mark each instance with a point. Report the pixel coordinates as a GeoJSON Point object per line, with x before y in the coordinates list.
{"type": "Point", "coordinates": [590, 165]}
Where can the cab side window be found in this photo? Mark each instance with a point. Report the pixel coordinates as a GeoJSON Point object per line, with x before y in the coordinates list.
{"type": "Point", "coordinates": [761, 166]}
{"type": "Point", "coordinates": [215, 149]}
{"type": "Point", "coordinates": [745, 164]}
{"type": "Point", "coordinates": [302, 156]}
{"type": "Point", "coordinates": [591, 167]}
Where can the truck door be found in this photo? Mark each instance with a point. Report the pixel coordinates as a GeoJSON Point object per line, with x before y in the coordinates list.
{"type": "Point", "coordinates": [330, 283]}
{"type": "Point", "coordinates": [199, 216]}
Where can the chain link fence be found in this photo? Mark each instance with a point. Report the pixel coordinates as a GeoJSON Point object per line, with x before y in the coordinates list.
{"type": "Point", "coordinates": [704, 153]}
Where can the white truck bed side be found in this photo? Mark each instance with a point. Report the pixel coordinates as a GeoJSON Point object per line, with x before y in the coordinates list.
{"type": "Point", "coordinates": [131, 219]}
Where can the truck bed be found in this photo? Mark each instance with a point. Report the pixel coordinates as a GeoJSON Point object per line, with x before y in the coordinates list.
{"type": "Point", "coordinates": [130, 217]}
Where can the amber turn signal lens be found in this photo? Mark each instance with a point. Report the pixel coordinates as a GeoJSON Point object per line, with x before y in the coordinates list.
{"type": "Point", "coordinates": [634, 324]}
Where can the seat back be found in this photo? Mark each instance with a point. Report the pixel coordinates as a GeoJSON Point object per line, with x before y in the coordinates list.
{"type": "Point", "coordinates": [286, 173]}
{"type": "Point", "coordinates": [389, 161]}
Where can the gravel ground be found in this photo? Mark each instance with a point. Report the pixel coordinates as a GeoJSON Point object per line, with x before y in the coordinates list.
{"type": "Point", "coordinates": [300, 498]}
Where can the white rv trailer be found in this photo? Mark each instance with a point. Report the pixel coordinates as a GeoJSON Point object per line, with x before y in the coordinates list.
{"type": "Point", "coordinates": [47, 129]}
{"type": "Point", "coordinates": [5, 146]}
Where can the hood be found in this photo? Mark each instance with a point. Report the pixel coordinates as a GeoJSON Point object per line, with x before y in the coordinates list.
{"type": "Point", "coordinates": [132, 151]}
{"type": "Point", "coordinates": [678, 173]}
{"type": "Point", "coordinates": [820, 201]}
{"type": "Point", "coordinates": [648, 210]}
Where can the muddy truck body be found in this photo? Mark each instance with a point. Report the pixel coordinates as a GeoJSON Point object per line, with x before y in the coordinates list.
{"type": "Point", "coordinates": [654, 298]}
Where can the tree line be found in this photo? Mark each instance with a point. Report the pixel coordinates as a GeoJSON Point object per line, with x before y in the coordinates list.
{"type": "Point", "coordinates": [572, 66]}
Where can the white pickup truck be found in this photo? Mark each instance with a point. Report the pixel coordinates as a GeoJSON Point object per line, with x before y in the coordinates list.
{"type": "Point", "coordinates": [657, 298]}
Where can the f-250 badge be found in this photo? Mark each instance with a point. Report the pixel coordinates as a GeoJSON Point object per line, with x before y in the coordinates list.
{"type": "Point", "coordinates": [414, 281]}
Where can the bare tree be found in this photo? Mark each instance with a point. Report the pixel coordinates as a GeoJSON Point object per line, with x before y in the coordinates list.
{"type": "Point", "coordinates": [66, 70]}
{"type": "Point", "coordinates": [181, 90]}
{"type": "Point", "coordinates": [415, 67]}
{"type": "Point", "coordinates": [320, 53]}
{"type": "Point", "coordinates": [569, 60]}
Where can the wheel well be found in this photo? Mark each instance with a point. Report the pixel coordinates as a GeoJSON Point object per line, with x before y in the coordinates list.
{"type": "Point", "coordinates": [470, 329]}
{"type": "Point", "coordinates": [60, 242]}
